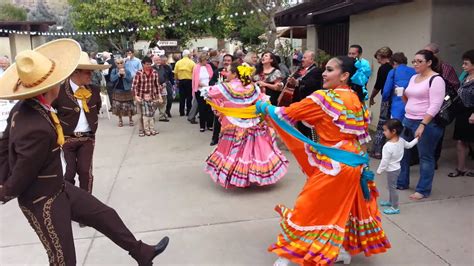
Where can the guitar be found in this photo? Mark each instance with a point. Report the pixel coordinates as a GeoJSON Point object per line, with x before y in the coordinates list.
{"type": "Point", "coordinates": [286, 96]}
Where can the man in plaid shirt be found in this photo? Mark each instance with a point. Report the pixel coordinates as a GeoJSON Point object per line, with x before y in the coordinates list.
{"type": "Point", "coordinates": [145, 84]}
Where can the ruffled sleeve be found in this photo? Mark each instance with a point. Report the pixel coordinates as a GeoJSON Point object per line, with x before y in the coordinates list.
{"type": "Point", "coordinates": [346, 111]}
{"type": "Point", "coordinates": [212, 93]}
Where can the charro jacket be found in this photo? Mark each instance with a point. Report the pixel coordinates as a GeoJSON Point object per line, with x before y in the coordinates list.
{"type": "Point", "coordinates": [30, 161]}
{"type": "Point", "coordinates": [69, 110]}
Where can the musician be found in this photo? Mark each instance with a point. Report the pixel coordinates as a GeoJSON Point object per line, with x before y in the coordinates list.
{"type": "Point", "coordinates": [306, 80]}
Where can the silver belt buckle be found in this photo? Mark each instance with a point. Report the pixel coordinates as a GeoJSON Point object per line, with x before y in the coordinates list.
{"type": "Point", "coordinates": [78, 134]}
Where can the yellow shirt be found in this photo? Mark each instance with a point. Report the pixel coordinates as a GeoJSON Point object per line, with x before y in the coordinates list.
{"type": "Point", "coordinates": [184, 69]}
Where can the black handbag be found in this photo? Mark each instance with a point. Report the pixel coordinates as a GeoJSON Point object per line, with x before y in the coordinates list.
{"type": "Point", "coordinates": [448, 109]}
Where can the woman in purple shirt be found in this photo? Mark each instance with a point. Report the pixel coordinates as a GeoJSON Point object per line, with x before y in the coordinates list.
{"type": "Point", "coordinates": [424, 95]}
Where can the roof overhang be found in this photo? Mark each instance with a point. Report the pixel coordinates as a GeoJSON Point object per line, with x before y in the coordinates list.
{"type": "Point", "coordinates": [26, 25]}
{"type": "Point", "coordinates": [328, 11]}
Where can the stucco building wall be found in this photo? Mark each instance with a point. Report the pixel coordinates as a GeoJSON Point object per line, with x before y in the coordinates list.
{"type": "Point", "coordinates": [453, 29]}
{"type": "Point", "coordinates": [404, 28]}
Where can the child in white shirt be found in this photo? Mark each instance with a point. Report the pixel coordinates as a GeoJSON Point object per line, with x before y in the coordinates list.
{"type": "Point", "coordinates": [392, 154]}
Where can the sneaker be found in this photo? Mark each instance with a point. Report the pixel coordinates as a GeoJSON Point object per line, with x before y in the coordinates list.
{"type": "Point", "coordinates": [385, 203]}
{"type": "Point", "coordinates": [391, 210]}
{"type": "Point", "coordinates": [343, 257]}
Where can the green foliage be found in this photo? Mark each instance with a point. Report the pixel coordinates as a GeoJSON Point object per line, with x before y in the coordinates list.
{"type": "Point", "coordinates": [92, 15]}
{"type": "Point", "coordinates": [322, 57]}
{"type": "Point", "coordinates": [9, 12]}
{"type": "Point", "coordinates": [113, 15]}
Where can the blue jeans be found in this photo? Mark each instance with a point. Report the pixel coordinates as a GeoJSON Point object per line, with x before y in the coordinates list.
{"type": "Point", "coordinates": [426, 152]}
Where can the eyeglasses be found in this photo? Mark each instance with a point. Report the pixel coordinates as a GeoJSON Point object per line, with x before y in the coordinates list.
{"type": "Point", "coordinates": [418, 61]}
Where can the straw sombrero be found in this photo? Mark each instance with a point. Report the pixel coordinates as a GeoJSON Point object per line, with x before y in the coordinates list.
{"type": "Point", "coordinates": [85, 63]}
{"type": "Point", "coordinates": [37, 71]}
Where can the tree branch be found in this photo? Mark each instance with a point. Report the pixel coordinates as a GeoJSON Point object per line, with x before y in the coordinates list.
{"type": "Point", "coordinates": [113, 43]}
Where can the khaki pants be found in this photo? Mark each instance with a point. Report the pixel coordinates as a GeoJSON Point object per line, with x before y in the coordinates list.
{"type": "Point", "coordinates": [162, 108]}
{"type": "Point", "coordinates": [149, 124]}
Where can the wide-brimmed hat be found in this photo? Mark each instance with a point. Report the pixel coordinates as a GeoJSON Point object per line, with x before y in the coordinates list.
{"type": "Point", "coordinates": [85, 63]}
{"type": "Point", "coordinates": [37, 71]}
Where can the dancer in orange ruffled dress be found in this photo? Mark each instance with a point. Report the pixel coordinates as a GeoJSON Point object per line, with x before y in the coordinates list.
{"type": "Point", "coordinates": [332, 214]}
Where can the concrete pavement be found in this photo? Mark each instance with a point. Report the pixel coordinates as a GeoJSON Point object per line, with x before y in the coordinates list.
{"type": "Point", "coordinates": [158, 186]}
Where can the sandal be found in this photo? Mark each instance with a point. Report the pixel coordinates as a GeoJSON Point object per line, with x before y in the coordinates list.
{"type": "Point", "coordinates": [141, 134]}
{"type": "Point", "coordinates": [153, 133]}
{"type": "Point", "coordinates": [148, 133]}
{"type": "Point", "coordinates": [385, 203]}
{"type": "Point", "coordinates": [120, 124]}
{"type": "Point", "coordinates": [470, 174]}
{"type": "Point", "coordinates": [131, 123]}
{"type": "Point", "coordinates": [391, 210]}
{"type": "Point", "coordinates": [457, 173]}
{"type": "Point", "coordinates": [417, 196]}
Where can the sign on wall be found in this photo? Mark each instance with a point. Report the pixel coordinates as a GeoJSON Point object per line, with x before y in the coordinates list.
{"type": "Point", "coordinates": [167, 43]}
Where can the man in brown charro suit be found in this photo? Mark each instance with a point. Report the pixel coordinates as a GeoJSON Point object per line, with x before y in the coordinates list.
{"type": "Point", "coordinates": [78, 105]}
{"type": "Point", "coordinates": [31, 166]}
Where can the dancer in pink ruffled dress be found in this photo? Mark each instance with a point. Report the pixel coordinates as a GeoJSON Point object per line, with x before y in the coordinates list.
{"type": "Point", "coordinates": [247, 152]}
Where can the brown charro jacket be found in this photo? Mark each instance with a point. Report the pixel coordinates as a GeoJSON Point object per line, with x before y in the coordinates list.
{"type": "Point", "coordinates": [69, 110]}
{"type": "Point", "coordinates": [30, 160]}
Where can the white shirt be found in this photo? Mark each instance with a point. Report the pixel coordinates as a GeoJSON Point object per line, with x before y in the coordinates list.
{"type": "Point", "coordinates": [392, 154]}
{"type": "Point", "coordinates": [105, 72]}
{"type": "Point", "coordinates": [82, 124]}
{"type": "Point", "coordinates": [204, 76]}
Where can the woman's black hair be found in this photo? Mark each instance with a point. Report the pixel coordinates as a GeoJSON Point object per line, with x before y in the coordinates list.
{"type": "Point", "coordinates": [468, 55]}
{"type": "Point", "coordinates": [259, 66]}
{"type": "Point", "coordinates": [347, 64]}
{"type": "Point", "coordinates": [394, 124]}
{"type": "Point", "coordinates": [278, 59]}
{"type": "Point", "coordinates": [429, 56]}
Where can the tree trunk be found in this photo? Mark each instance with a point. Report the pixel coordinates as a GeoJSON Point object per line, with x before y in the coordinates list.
{"type": "Point", "coordinates": [272, 32]}
{"type": "Point", "coordinates": [118, 47]}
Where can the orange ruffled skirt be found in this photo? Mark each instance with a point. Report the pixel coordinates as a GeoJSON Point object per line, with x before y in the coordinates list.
{"type": "Point", "coordinates": [330, 212]}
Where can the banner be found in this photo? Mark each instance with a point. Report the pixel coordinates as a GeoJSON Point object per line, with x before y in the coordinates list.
{"type": "Point", "coordinates": [5, 107]}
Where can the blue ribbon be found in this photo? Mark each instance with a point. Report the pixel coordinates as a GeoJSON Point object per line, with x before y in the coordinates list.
{"type": "Point", "coordinates": [339, 155]}
{"type": "Point", "coordinates": [362, 75]}
{"type": "Point", "coordinates": [367, 176]}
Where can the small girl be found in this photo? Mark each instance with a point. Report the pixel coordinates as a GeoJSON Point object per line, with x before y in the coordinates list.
{"type": "Point", "coordinates": [392, 154]}
{"type": "Point", "coordinates": [148, 110]}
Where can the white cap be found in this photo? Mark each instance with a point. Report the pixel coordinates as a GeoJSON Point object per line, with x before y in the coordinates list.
{"type": "Point", "coordinates": [186, 52]}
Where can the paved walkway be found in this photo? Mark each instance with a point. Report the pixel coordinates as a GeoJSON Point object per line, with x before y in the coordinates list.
{"type": "Point", "coordinates": [159, 188]}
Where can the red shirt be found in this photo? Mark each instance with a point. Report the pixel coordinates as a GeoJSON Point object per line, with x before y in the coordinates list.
{"type": "Point", "coordinates": [146, 84]}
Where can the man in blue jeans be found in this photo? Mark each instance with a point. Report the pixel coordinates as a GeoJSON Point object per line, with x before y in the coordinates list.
{"type": "Point", "coordinates": [426, 146]}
